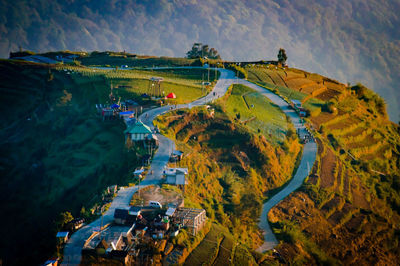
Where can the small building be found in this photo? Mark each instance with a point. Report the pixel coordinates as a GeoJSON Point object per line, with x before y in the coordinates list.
{"type": "Point", "coordinates": [190, 218]}
{"type": "Point", "coordinates": [127, 115]}
{"type": "Point", "coordinates": [121, 216]}
{"type": "Point", "coordinates": [176, 176]}
{"type": "Point", "coordinates": [176, 156]}
{"type": "Point", "coordinates": [107, 113]}
{"type": "Point", "coordinates": [138, 131]}
{"type": "Point", "coordinates": [130, 105]}
{"type": "Point", "coordinates": [63, 236]}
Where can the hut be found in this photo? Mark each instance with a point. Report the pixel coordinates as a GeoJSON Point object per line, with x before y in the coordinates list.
{"type": "Point", "coordinates": [176, 176]}
{"type": "Point", "coordinates": [138, 131]}
{"type": "Point", "coordinates": [63, 236]}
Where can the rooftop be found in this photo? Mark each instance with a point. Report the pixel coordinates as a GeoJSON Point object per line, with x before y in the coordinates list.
{"type": "Point", "coordinates": [174, 171]}
{"type": "Point", "coordinates": [138, 128]}
{"type": "Point", "coordinates": [188, 213]}
{"type": "Point", "coordinates": [62, 234]}
{"type": "Point", "coordinates": [120, 213]}
{"type": "Point", "coordinates": [110, 235]}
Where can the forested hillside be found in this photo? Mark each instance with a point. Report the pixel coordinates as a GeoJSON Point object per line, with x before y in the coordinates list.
{"type": "Point", "coordinates": [347, 40]}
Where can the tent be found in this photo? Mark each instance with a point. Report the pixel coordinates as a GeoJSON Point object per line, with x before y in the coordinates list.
{"type": "Point", "coordinates": [171, 95]}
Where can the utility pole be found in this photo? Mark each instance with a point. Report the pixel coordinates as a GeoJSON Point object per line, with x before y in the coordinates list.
{"type": "Point", "coordinates": [202, 84]}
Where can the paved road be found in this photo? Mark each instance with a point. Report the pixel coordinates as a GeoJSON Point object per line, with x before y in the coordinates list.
{"type": "Point", "coordinates": [307, 161]}
{"type": "Point", "coordinates": [72, 250]}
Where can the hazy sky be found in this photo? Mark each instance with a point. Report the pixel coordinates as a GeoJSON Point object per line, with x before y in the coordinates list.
{"type": "Point", "coordinates": [352, 41]}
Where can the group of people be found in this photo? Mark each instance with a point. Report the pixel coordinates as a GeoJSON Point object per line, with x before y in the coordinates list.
{"type": "Point", "coordinates": [308, 137]}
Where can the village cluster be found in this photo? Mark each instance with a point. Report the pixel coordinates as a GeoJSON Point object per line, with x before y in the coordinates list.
{"type": "Point", "coordinates": [135, 230]}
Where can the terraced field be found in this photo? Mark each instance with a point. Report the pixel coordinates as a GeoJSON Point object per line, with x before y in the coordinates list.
{"type": "Point", "coordinates": [215, 249]}
{"type": "Point", "coordinates": [296, 81]}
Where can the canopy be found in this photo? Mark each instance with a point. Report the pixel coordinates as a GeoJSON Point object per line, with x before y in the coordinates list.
{"type": "Point", "coordinates": [171, 95]}
{"type": "Point", "coordinates": [115, 106]}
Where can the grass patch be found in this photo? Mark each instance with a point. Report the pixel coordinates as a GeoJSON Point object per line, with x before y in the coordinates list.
{"type": "Point", "coordinates": [257, 112]}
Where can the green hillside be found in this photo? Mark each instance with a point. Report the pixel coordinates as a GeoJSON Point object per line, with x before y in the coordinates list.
{"type": "Point", "coordinates": [58, 154]}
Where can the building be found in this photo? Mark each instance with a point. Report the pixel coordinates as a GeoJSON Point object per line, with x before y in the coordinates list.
{"type": "Point", "coordinates": [121, 216]}
{"type": "Point", "coordinates": [63, 236]}
{"type": "Point", "coordinates": [176, 156]}
{"type": "Point", "coordinates": [138, 131]}
{"type": "Point", "coordinates": [176, 176]}
{"type": "Point", "coordinates": [190, 218]}
{"type": "Point", "coordinates": [127, 116]}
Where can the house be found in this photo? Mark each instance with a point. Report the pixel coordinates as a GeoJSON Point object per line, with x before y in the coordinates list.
{"type": "Point", "coordinates": [176, 176]}
{"type": "Point", "coordinates": [190, 218]}
{"type": "Point", "coordinates": [63, 236]}
{"type": "Point", "coordinates": [121, 216]}
{"type": "Point", "coordinates": [138, 131]}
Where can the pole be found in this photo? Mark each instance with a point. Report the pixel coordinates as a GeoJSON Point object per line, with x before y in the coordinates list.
{"type": "Point", "coordinates": [139, 189]}
{"type": "Point", "coordinates": [202, 83]}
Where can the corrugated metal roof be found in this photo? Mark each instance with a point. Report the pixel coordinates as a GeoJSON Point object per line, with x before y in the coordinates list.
{"type": "Point", "coordinates": [138, 128]}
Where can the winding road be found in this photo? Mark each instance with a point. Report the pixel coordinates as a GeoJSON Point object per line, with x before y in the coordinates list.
{"type": "Point", "coordinates": [306, 163]}
{"type": "Point", "coordinates": [73, 248]}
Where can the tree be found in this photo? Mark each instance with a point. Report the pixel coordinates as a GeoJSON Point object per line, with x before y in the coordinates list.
{"type": "Point", "coordinates": [64, 218]}
{"type": "Point", "coordinates": [282, 57]}
{"type": "Point", "coordinates": [200, 50]}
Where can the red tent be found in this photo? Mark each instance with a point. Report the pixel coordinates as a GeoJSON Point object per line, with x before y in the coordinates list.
{"type": "Point", "coordinates": [171, 95]}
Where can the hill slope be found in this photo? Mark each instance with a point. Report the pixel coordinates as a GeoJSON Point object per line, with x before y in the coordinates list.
{"type": "Point", "coordinates": [348, 209]}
